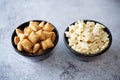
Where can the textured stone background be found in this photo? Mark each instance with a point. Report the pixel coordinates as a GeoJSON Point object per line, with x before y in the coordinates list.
{"type": "Point", "coordinates": [60, 65]}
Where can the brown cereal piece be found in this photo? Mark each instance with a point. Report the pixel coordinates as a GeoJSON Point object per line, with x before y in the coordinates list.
{"type": "Point", "coordinates": [48, 27]}
{"type": "Point", "coordinates": [22, 36]}
{"type": "Point", "coordinates": [19, 46]}
{"type": "Point", "coordinates": [27, 31]}
{"type": "Point", "coordinates": [34, 25]}
{"type": "Point", "coordinates": [47, 44]}
{"type": "Point", "coordinates": [44, 45]}
{"type": "Point", "coordinates": [41, 35]}
{"type": "Point", "coordinates": [33, 37]}
{"type": "Point", "coordinates": [16, 40]}
{"type": "Point", "coordinates": [27, 45]}
{"type": "Point", "coordinates": [50, 35]}
{"type": "Point", "coordinates": [42, 24]}
{"type": "Point", "coordinates": [36, 47]}
{"type": "Point", "coordinates": [40, 51]}
{"type": "Point", "coordinates": [18, 31]}
{"type": "Point", "coordinates": [47, 34]}
{"type": "Point", "coordinates": [30, 51]}
{"type": "Point", "coordinates": [53, 36]}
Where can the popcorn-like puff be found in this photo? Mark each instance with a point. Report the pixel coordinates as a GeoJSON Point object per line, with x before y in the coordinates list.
{"type": "Point", "coordinates": [87, 38]}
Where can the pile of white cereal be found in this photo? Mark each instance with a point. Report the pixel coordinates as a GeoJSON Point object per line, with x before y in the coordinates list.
{"type": "Point", "coordinates": [87, 38]}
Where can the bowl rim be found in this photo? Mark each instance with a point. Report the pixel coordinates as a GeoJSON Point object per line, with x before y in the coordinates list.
{"type": "Point", "coordinates": [88, 55]}
{"type": "Point", "coordinates": [24, 53]}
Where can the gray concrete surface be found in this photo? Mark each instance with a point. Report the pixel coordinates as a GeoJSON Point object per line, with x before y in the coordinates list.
{"type": "Point", "coordinates": [60, 65]}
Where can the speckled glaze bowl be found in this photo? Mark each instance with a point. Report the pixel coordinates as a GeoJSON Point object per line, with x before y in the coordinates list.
{"type": "Point", "coordinates": [45, 53]}
{"type": "Point", "coordinates": [82, 55]}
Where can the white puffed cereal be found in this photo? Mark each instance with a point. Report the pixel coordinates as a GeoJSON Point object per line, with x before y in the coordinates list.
{"type": "Point", "coordinates": [87, 38]}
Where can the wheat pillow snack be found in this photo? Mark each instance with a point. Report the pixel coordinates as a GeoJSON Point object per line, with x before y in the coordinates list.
{"type": "Point", "coordinates": [35, 37]}
{"type": "Point", "coordinates": [48, 27]}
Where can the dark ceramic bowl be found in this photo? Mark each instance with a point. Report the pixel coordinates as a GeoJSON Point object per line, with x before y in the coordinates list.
{"type": "Point", "coordinates": [83, 55]}
{"type": "Point", "coordinates": [45, 53]}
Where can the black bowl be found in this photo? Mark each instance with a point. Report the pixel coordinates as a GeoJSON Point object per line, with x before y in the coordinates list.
{"type": "Point", "coordinates": [45, 53]}
{"type": "Point", "coordinates": [82, 55]}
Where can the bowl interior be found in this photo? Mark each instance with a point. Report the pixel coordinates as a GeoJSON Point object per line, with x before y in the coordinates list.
{"type": "Point", "coordinates": [25, 53]}
{"type": "Point", "coordinates": [89, 55]}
